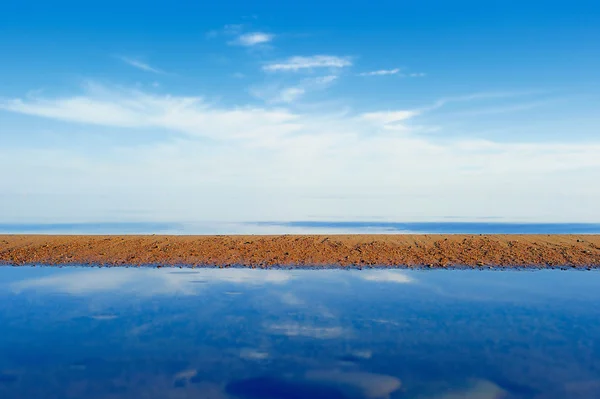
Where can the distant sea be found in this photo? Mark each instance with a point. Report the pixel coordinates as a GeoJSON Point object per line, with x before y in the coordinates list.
{"type": "Point", "coordinates": [303, 227]}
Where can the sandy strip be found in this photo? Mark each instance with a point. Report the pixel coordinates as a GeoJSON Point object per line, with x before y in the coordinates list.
{"type": "Point", "coordinates": [304, 250]}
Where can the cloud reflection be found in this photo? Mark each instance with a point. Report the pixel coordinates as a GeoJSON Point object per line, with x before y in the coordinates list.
{"type": "Point", "coordinates": [386, 276]}
{"type": "Point", "coordinates": [145, 281]}
{"type": "Point", "coordinates": [476, 389]}
{"type": "Point", "coordinates": [299, 330]}
{"type": "Point", "coordinates": [253, 354]}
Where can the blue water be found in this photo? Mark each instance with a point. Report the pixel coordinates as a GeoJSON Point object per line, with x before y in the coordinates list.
{"type": "Point", "coordinates": [447, 227]}
{"type": "Point", "coordinates": [277, 334]}
{"type": "Point", "coordinates": [302, 227]}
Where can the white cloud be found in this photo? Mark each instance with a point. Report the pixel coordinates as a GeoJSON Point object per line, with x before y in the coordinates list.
{"type": "Point", "coordinates": [290, 94]}
{"type": "Point", "coordinates": [391, 120]}
{"type": "Point", "coordinates": [274, 94]}
{"type": "Point", "coordinates": [288, 165]}
{"type": "Point", "coordinates": [135, 109]}
{"type": "Point", "coordinates": [483, 96]}
{"type": "Point", "coordinates": [381, 72]}
{"type": "Point", "coordinates": [503, 109]}
{"type": "Point", "coordinates": [140, 65]}
{"type": "Point", "coordinates": [298, 63]}
{"type": "Point", "coordinates": [277, 95]}
{"type": "Point", "coordinates": [253, 38]}
{"type": "Point", "coordinates": [323, 80]}
{"type": "Point", "coordinates": [395, 71]}
{"type": "Point", "coordinates": [241, 38]}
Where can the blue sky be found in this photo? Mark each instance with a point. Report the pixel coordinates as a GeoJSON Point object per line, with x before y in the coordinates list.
{"type": "Point", "coordinates": [243, 111]}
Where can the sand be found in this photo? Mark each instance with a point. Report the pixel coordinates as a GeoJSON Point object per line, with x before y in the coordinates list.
{"type": "Point", "coordinates": [304, 250]}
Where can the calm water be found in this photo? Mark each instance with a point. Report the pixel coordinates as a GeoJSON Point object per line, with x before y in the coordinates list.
{"type": "Point", "coordinates": [304, 227]}
{"type": "Point", "coordinates": [251, 334]}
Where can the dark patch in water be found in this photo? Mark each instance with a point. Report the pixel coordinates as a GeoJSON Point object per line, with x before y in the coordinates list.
{"type": "Point", "coordinates": [516, 388]}
{"type": "Point", "coordinates": [179, 383]}
{"type": "Point", "coordinates": [91, 362]}
{"type": "Point", "coordinates": [117, 389]}
{"type": "Point", "coordinates": [8, 378]}
{"type": "Point", "coordinates": [274, 388]}
{"type": "Point", "coordinates": [351, 359]}
{"type": "Point", "coordinates": [196, 379]}
{"type": "Point", "coordinates": [22, 357]}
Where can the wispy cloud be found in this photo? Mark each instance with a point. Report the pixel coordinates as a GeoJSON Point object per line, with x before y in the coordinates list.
{"type": "Point", "coordinates": [253, 39]}
{"type": "Point", "coordinates": [233, 29]}
{"type": "Point", "coordinates": [503, 109]}
{"type": "Point", "coordinates": [297, 63]}
{"type": "Point", "coordinates": [228, 30]}
{"type": "Point", "coordinates": [276, 156]}
{"type": "Point", "coordinates": [136, 109]}
{"type": "Point", "coordinates": [386, 118]}
{"type": "Point", "coordinates": [241, 38]}
{"type": "Point", "coordinates": [290, 94]}
{"type": "Point", "coordinates": [482, 96]}
{"type": "Point", "coordinates": [381, 72]}
{"type": "Point", "coordinates": [395, 71]}
{"type": "Point", "coordinates": [274, 94]}
{"type": "Point", "coordinates": [140, 65]}
{"type": "Point", "coordinates": [323, 80]}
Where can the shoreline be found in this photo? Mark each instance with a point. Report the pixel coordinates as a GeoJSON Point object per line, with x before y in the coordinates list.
{"type": "Point", "coordinates": [360, 250]}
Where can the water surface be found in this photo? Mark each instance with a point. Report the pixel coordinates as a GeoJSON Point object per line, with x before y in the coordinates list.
{"type": "Point", "coordinates": [492, 226]}
{"type": "Point", "coordinates": [278, 334]}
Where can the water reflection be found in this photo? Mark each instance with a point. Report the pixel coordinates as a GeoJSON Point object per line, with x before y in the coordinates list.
{"type": "Point", "coordinates": [239, 333]}
{"type": "Point", "coordinates": [144, 281]}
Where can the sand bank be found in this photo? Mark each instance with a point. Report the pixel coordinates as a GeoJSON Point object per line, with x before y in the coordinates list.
{"type": "Point", "coordinates": [304, 250]}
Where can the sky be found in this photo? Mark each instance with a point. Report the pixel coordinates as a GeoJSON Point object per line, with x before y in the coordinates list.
{"type": "Point", "coordinates": [240, 111]}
